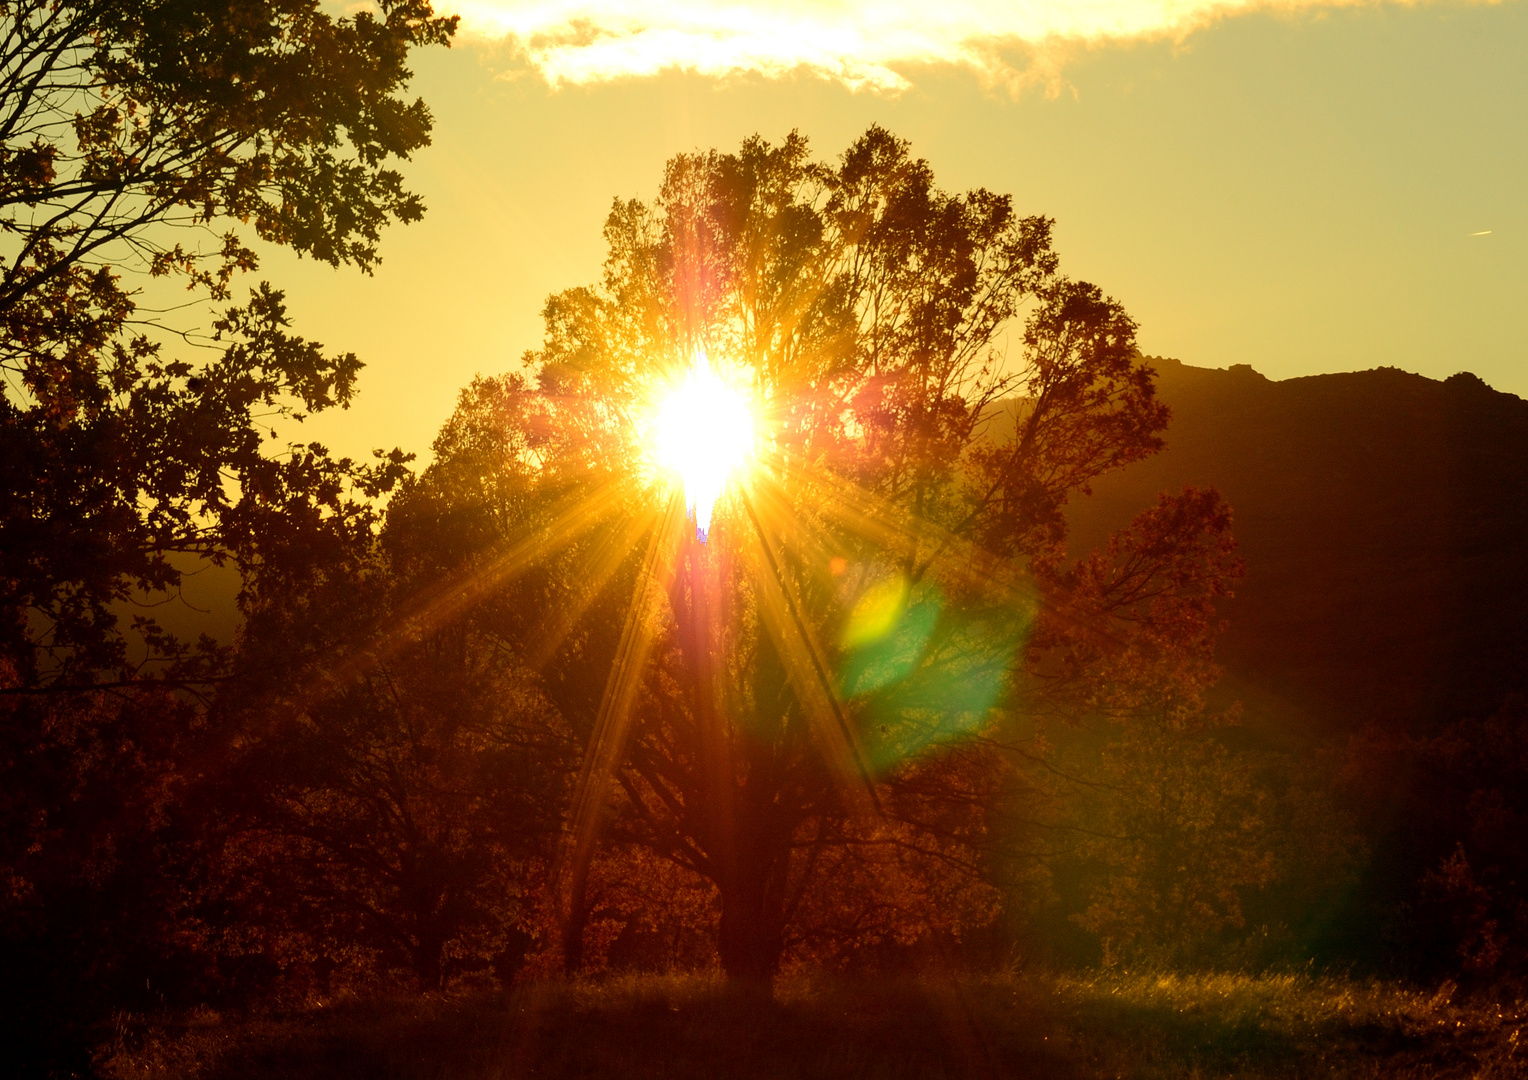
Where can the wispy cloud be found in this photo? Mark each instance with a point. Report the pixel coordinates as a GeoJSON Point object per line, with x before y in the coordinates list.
{"type": "Point", "coordinates": [870, 44]}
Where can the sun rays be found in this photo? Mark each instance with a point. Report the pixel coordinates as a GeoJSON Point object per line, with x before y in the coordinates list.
{"type": "Point", "coordinates": [757, 523]}
{"type": "Point", "coordinates": [681, 511]}
{"type": "Point", "coordinates": [765, 641]}
{"type": "Point", "coordinates": [779, 520]}
{"type": "Point", "coordinates": [602, 753]}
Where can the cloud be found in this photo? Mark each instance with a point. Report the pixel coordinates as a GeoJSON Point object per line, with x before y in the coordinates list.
{"type": "Point", "coordinates": [869, 44]}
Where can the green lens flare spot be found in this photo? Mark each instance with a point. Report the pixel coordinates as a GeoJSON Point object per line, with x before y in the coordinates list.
{"type": "Point", "coordinates": [895, 651]}
{"type": "Point", "coordinates": [876, 613]}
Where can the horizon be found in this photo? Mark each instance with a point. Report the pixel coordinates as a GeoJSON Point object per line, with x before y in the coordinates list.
{"type": "Point", "coordinates": [1303, 188]}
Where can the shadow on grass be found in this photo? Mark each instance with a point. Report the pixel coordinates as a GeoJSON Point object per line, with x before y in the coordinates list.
{"type": "Point", "coordinates": [1040, 1026]}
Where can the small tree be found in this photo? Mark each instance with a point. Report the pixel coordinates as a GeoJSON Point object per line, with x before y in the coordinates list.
{"type": "Point", "coordinates": [404, 818]}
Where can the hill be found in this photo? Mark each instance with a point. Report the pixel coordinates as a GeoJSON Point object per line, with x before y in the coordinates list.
{"type": "Point", "coordinates": [1383, 517]}
{"type": "Point", "coordinates": [1384, 520]}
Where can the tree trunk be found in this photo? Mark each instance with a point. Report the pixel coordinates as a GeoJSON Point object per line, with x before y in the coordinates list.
{"type": "Point", "coordinates": [750, 940]}
{"type": "Point", "coordinates": [748, 867]}
{"type": "Point", "coordinates": [751, 937]}
{"type": "Point", "coordinates": [427, 966]}
{"type": "Point", "coordinates": [577, 917]}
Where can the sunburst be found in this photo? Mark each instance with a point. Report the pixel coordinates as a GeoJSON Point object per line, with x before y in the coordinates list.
{"type": "Point", "coordinates": [703, 433]}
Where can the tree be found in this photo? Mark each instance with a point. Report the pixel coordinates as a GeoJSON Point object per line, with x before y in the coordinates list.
{"type": "Point", "coordinates": [816, 687]}
{"type": "Point", "coordinates": [401, 818]}
{"type": "Point", "coordinates": [130, 134]}
{"type": "Point", "coordinates": [399, 761]}
{"type": "Point", "coordinates": [138, 142]}
{"type": "Point", "coordinates": [1444, 815]}
{"type": "Point", "coordinates": [1173, 836]}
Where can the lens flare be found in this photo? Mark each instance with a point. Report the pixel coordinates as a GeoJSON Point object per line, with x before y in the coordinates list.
{"type": "Point", "coordinates": [703, 433]}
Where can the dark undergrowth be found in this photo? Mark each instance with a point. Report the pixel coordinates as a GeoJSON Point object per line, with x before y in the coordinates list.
{"type": "Point", "coordinates": [1105, 1024]}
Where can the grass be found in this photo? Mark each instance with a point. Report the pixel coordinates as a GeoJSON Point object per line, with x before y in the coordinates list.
{"type": "Point", "coordinates": [1085, 1026]}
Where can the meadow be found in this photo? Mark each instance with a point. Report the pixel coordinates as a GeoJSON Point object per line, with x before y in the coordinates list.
{"type": "Point", "coordinates": [1099, 1024]}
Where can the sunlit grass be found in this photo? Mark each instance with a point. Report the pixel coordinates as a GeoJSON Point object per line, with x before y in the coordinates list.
{"type": "Point", "coordinates": [1085, 1025]}
{"type": "Point", "coordinates": [1170, 1025]}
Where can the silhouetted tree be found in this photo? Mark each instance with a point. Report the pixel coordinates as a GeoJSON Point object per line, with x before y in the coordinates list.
{"type": "Point", "coordinates": [137, 141]}
{"type": "Point", "coordinates": [402, 818]}
{"type": "Point", "coordinates": [403, 761]}
{"type": "Point", "coordinates": [134, 138]}
{"type": "Point", "coordinates": [1444, 814]}
{"type": "Point", "coordinates": [1168, 836]}
{"type": "Point", "coordinates": [880, 570]}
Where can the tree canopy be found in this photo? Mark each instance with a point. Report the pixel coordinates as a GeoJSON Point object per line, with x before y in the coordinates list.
{"type": "Point", "coordinates": [138, 141]}
{"type": "Point", "coordinates": [146, 145]}
{"type": "Point", "coordinates": [815, 700]}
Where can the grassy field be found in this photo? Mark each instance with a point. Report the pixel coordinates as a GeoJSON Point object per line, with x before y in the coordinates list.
{"type": "Point", "coordinates": [1105, 1024]}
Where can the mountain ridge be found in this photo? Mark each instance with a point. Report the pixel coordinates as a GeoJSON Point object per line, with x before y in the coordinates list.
{"type": "Point", "coordinates": [1383, 517]}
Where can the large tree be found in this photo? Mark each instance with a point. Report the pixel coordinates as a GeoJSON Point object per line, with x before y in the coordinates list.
{"type": "Point", "coordinates": [145, 146]}
{"type": "Point", "coordinates": [147, 141]}
{"type": "Point", "coordinates": [810, 703]}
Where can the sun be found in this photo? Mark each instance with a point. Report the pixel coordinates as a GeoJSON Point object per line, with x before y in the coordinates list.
{"type": "Point", "coordinates": [703, 433]}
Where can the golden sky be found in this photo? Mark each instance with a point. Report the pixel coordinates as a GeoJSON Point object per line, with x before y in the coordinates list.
{"type": "Point", "coordinates": [865, 44]}
{"type": "Point", "coordinates": [1302, 186]}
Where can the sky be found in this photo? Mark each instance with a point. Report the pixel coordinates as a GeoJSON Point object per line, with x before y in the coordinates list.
{"type": "Point", "coordinates": [1305, 187]}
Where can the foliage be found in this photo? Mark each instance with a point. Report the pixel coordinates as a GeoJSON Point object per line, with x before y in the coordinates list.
{"type": "Point", "coordinates": [399, 776]}
{"type": "Point", "coordinates": [914, 475]}
{"type": "Point", "coordinates": [1179, 837]}
{"type": "Point", "coordinates": [130, 134]}
{"type": "Point", "coordinates": [1171, 824]}
{"type": "Point", "coordinates": [404, 814]}
{"type": "Point", "coordinates": [137, 143]}
{"type": "Point", "coordinates": [95, 912]}
{"type": "Point", "coordinates": [1477, 891]}
{"type": "Point", "coordinates": [645, 914]}
{"type": "Point", "coordinates": [1446, 813]}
